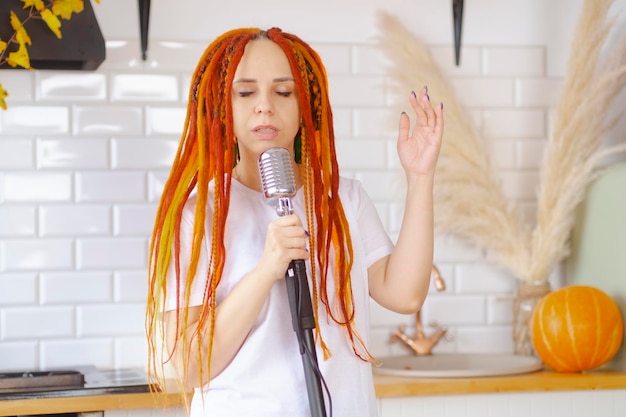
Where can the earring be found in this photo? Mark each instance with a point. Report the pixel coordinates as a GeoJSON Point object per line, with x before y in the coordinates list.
{"type": "Point", "coordinates": [297, 147]}
{"type": "Point", "coordinates": [236, 156]}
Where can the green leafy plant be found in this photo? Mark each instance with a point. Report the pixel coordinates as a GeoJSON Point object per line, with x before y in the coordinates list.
{"type": "Point", "coordinates": [14, 51]}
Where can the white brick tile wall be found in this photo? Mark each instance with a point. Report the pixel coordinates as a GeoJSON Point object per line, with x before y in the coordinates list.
{"type": "Point", "coordinates": [72, 153]}
{"type": "Point", "coordinates": [109, 319]}
{"type": "Point", "coordinates": [18, 356]}
{"type": "Point", "coordinates": [133, 219]}
{"type": "Point", "coordinates": [504, 154]}
{"type": "Point", "coordinates": [537, 92]}
{"type": "Point", "coordinates": [129, 153]}
{"type": "Point", "coordinates": [361, 154]}
{"type": "Point", "coordinates": [523, 61]}
{"type": "Point", "coordinates": [165, 120]}
{"type": "Point", "coordinates": [519, 185]}
{"type": "Point", "coordinates": [41, 323]}
{"type": "Point", "coordinates": [484, 279]}
{"type": "Point", "coordinates": [500, 309]}
{"type": "Point", "coordinates": [76, 86]}
{"type": "Point", "coordinates": [343, 122]}
{"type": "Point", "coordinates": [336, 58]}
{"type": "Point", "coordinates": [527, 153]}
{"type": "Point", "coordinates": [68, 352]}
{"type": "Point", "coordinates": [445, 310]}
{"type": "Point", "coordinates": [485, 92]}
{"type": "Point", "coordinates": [74, 220]}
{"type": "Point", "coordinates": [101, 120]}
{"type": "Point", "coordinates": [129, 351]}
{"type": "Point", "coordinates": [17, 220]}
{"type": "Point", "coordinates": [483, 339]}
{"type": "Point", "coordinates": [22, 85]}
{"type": "Point", "coordinates": [36, 254]}
{"type": "Point", "coordinates": [469, 63]}
{"type": "Point", "coordinates": [156, 182]}
{"type": "Point", "coordinates": [368, 60]}
{"type": "Point", "coordinates": [382, 185]}
{"type": "Point", "coordinates": [75, 287]}
{"type": "Point", "coordinates": [514, 124]}
{"type": "Point", "coordinates": [356, 91]}
{"type": "Point", "coordinates": [33, 186]}
{"type": "Point", "coordinates": [34, 120]}
{"type": "Point", "coordinates": [122, 187]}
{"type": "Point", "coordinates": [376, 123]}
{"type": "Point", "coordinates": [17, 154]}
{"type": "Point", "coordinates": [18, 289]}
{"type": "Point", "coordinates": [130, 286]}
{"type": "Point", "coordinates": [140, 87]}
{"type": "Point", "coordinates": [111, 253]}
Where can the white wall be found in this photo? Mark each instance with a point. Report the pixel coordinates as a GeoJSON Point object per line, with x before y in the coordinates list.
{"type": "Point", "coordinates": [83, 156]}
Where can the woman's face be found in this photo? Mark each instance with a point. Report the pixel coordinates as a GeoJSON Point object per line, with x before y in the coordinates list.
{"type": "Point", "coordinates": [265, 104]}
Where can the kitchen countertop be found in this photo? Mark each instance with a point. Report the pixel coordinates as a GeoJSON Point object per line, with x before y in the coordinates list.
{"type": "Point", "coordinates": [386, 386]}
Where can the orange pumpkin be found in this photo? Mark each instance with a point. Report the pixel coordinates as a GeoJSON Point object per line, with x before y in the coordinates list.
{"type": "Point", "coordinates": [576, 328]}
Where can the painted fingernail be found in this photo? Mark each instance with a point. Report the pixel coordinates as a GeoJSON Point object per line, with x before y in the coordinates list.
{"type": "Point", "coordinates": [427, 96]}
{"type": "Point", "coordinates": [306, 232]}
{"type": "Point", "coordinates": [441, 104]}
{"type": "Point", "coordinates": [413, 93]}
{"type": "Point", "coordinates": [402, 113]}
{"type": "Point", "coordinates": [426, 88]}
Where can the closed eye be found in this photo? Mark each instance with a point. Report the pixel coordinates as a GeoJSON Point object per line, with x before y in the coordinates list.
{"type": "Point", "coordinates": [284, 93]}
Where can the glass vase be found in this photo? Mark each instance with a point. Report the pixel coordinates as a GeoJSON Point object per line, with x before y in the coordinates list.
{"type": "Point", "coordinates": [524, 302]}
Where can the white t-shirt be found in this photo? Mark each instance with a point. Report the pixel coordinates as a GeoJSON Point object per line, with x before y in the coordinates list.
{"type": "Point", "coordinates": [266, 377]}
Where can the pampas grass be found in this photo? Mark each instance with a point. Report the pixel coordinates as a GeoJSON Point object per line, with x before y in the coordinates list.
{"type": "Point", "coordinates": [469, 201]}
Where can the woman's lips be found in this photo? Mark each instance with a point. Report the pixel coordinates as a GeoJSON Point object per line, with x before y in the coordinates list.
{"type": "Point", "coordinates": [265, 132]}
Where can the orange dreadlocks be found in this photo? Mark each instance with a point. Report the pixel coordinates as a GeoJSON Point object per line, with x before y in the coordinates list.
{"type": "Point", "coordinates": [206, 153]}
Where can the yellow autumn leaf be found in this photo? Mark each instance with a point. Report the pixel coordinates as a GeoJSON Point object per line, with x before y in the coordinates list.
{"type": "Point", "coordinates": [20, 33]}
{"type": "Point", "coordinates": [65, 8]}
{"type": "Point", "coordinates": [37, 4]}
{"type": "Point", "coordinates": [52, 21]}
{"type": "Point", "coordinates": [3, 45]}
{"type": "Point", "coordinates": [3, 95]}
{"type": "Point", "coordinates": [19, 57]}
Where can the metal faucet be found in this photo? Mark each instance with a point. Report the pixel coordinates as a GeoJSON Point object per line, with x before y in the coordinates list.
{"type": "Point", "coordinates": [422, 345]}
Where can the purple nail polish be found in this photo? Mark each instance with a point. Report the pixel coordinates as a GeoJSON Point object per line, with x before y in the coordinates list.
{"type": "Point", "coordinates": [427, 96]}
{"type": "Point", "coordinates": [414, 95]}
{"type": "Point", "coordinates": [441, 105]}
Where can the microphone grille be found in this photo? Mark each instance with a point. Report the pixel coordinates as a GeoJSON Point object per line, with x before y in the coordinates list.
{"type": "Point", "coordinates": [276, 173]}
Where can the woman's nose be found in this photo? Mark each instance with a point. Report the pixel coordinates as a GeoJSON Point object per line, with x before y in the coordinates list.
{"type": "Point", "coordinates": [263, 106]}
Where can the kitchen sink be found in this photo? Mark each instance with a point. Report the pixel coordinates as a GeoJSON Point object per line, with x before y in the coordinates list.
{"type": "Point", "coordinates": [457, 365]}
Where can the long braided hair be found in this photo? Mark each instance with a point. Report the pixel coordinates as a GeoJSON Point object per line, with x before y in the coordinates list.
{"type": "Point", "coordinates": [206, 153]}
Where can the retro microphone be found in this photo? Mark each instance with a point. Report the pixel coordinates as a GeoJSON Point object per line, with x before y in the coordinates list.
{"type": "Point", "coordinates": [279, 185]}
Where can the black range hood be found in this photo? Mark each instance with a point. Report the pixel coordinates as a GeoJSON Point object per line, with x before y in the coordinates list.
{"type": "Point", "coordinates": [82, 45]}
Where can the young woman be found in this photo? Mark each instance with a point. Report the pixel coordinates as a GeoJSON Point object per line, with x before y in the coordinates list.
{"type": "Point", "coordinates": [219, 253]}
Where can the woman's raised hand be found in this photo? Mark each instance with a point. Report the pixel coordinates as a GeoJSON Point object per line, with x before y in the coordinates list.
{"type": "Point", "coordinates": [418, 148]}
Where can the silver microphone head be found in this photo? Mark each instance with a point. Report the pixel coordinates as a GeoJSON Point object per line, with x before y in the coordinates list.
{"type": "Point", "coordinates": [277, 179]}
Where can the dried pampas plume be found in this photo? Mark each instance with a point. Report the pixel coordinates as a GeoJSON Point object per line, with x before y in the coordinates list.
{"type": "Point", "coordinates": [469, 201]}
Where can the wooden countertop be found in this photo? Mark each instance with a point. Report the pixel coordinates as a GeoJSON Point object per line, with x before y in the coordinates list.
{"type": "Point", "coordinates": [393, 386]}
{"type": "Point", "coordinates": [386, 386]}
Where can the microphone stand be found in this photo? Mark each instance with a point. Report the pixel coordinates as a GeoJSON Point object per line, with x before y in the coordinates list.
{"type": "Point", "coordinates": [303, 322]}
